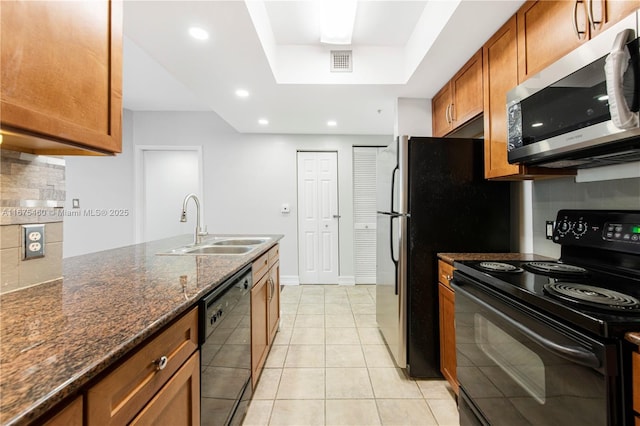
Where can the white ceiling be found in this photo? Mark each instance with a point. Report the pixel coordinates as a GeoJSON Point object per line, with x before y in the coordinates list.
{"type": "Point", "coordinates": [272, 49]}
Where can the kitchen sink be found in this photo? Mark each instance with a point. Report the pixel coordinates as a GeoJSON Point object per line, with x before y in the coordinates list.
{"type": "Point", "coordinates": [219, 246]}
{"type": "Point", "coordinates": [240, 242]}
{"type": "Point", "coordinates": [216, 249]}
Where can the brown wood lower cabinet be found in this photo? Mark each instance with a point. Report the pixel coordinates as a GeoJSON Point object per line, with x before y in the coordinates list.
{"type": "Point", "coordinates": [259, 331]}
{"type": "Point", "coordinates": [178, 402]}
{"type": "Point", "coordinates": [635, 361]}
{"type": "Point", "coordinates": [446, 297]}
{"type": "Point", "coordinates": [265, 308]}
{"type": "Point", "coordinates": [141, 378]}
{"type": "Point", "coordinates": [70, 415]}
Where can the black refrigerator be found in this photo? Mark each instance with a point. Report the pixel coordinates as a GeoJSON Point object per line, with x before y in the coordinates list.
{"type": "Point", "coordinates": [431, 197]}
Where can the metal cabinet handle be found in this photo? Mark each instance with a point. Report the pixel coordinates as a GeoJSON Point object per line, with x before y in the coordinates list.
{"type": "Point", "coordinates": [448, 277]}
{"type": "Point", "coordinates": [161, 363]}
{"type": "Point", "coordinates": [579, 34]}
{"type": "Point", "coordinates": [592, 20]}
{"type": "Point", "coordinates": [447, 114]}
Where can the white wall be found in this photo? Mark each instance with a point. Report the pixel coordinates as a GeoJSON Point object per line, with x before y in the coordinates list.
{"type": "Point", "coordinates": [100, 183]}
{"type": "Point", "coordinates": [247, 177]}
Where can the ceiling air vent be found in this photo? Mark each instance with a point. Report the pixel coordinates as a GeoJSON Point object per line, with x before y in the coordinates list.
{"type": "Point", "coordinates": [341, 61]}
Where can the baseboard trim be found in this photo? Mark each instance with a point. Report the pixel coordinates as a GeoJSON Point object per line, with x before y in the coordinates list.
{"type": "Point", "coordinates": [289, 280]}
{"type": "Point", "coordinates": [347, 280]}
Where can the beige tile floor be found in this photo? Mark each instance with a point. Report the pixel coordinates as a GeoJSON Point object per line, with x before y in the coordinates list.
{"type": "Point", "coordinates": [329, 366]}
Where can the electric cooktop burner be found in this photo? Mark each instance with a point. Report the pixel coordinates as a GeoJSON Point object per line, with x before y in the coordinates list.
{"type": "Point", "coordinates": [593, 296]}
{"type": "Point", "coordinates": [551, 268]}
{"type": "Point", "coordinates": [499, 267]}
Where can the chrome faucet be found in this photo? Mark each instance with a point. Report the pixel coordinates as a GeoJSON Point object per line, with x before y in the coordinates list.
{"type": "Point", "coordinates": [199, 233]}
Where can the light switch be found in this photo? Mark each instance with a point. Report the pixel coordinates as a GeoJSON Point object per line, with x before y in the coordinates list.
{"type": "Point", "coordinates": [75, 203]}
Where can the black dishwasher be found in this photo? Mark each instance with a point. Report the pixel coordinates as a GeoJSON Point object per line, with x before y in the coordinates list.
{"type": "Point", "coordinates": [225, 351]}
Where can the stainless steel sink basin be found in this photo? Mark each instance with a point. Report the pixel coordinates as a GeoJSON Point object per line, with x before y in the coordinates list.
{"type": "Point", "coordinates": [219, 246]}
{"type": "Point", "coordinates": [217, 249]}
{"type": "Point", "coordinates": [240, 242]}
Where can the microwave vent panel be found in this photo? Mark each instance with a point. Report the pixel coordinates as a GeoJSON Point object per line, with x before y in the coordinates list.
{"type": "Point", "coordinates": [341, 61]}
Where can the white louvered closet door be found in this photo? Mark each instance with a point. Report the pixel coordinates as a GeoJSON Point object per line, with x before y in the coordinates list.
{"type": "Point", "coordinates": [364, 212]}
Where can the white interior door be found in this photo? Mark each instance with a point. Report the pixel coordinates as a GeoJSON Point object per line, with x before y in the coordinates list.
{"type": "Point", "coordinates": [318, 217]}
{"type": "Point", "coordinates": [167, 177]}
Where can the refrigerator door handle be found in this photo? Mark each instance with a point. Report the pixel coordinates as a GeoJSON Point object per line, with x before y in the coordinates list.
{"type": "Point", "coordinates": [393, 258]}
{"type": "Point", "coordinates": [393, 187]}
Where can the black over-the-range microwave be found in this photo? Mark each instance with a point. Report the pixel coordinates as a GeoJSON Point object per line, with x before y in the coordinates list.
{"type": "Point", "coordinates": [581, 111]}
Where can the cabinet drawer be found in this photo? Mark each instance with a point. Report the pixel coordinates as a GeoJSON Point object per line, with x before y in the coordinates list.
{"type": "Point", "coordinates": [178, 403]}
{"type": "Point", "coordinates": [118, 397]}
{"type": "Point", "coordinates": [445, 273]}
{"type": "Point", "coordinates": [274, 255]}
{"type": "Point", "coordinates": [260, 267]}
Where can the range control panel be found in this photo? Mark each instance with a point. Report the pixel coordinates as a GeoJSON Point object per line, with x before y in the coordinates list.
{"type": "Point", "coordinates": [616, 230]}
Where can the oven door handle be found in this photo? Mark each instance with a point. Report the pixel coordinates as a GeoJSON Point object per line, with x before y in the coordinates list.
{"type": "Point", "coordinates": [571, 353]}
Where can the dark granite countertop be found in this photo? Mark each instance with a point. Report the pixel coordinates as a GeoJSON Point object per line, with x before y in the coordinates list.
{"type": "Point", "coordinates": [451, 257]}
{"type": "Point", "coordinates": [633, 337]}
{"type": "Point", "coordinates": [57, 336]}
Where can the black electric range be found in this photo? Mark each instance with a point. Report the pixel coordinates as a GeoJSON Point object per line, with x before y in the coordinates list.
{"type": "Point", "coordinates": [595, 285]}
{"type": "Point", "coordinates": [542, 342]}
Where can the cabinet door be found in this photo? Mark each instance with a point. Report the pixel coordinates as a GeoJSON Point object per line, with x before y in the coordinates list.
{"type": "Point", "coordinates": [259, 327]}
{"type": "Point", "coordinates": [178, 402]}
{"type": "Point", "coordinates": [467, 91]}
{"type": "Point", "coordinates": [547, 30]}
{"type": "Point", "coordinates": [71, 415]}
{"type": "Point", "coordinates": [274, 300]}
{"type": "Point", "coordinates": [604, 13]}
{"type": "Point", "coordinates": [448, 335]}
{"type": "Point", "coordinates": [441, 112]}
{"type": "Point", "coordinates": [635, 371]}
{"type": "Point", "coordinates": [500, 54]}
{"type": "Point", "coordinates": [61, 75]}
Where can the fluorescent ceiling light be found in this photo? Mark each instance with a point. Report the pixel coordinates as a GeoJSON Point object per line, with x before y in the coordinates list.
{"type": "Point", "coordinates": [332, 123]}
{"type": "Point", "coordinates": [263, 121]}
{"type": "Point", "coordinates": [337, 18]}
{"type": "Point", "coordinates": [198, 33]}
{"type": "Point", "coordinates": [538, 124]}
{"type": "Point", "coordinates": [242, 93]}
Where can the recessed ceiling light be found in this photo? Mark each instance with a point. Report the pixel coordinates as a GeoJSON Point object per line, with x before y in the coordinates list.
{"type": "Point", "coordinates": [242, 93]}
{"type": "Point", "coordinates": [198, 33]}
{"type": "Point", "coordinates": [263, 121]}
{"type": "Point", "coordinates": [332, 123]}
{"type": "Point", "coordinates": [538, 124]}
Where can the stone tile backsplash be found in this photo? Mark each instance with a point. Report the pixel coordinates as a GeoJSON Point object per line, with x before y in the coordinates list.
{"type": "Point", "coordinates": [32, 189]}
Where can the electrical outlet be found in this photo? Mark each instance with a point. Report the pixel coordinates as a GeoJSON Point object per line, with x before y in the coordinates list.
{"type": "Point", "coordinates": [33, 241]}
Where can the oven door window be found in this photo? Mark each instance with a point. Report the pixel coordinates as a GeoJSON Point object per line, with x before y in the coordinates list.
{"type": "Point", "coordinates": [522, 365]}
{"type": "Point", "coordinates": [518, 370]}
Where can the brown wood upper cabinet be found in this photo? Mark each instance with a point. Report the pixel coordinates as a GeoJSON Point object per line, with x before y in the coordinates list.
{"type": "Point", "coordinates": [61, 81]}
{"type": "Point", "coordinates": [500, 74]}
{"type": "Point", "coordinates": [548, 30]}
{"type": "Point", "coordinates": [460, 99]}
